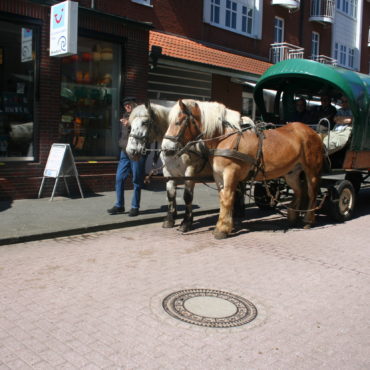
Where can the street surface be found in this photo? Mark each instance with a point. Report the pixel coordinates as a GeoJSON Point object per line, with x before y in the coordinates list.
{"type": "Point", "coordinates": [94, 301]}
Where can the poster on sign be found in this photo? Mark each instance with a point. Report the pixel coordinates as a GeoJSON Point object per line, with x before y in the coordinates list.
{"type": "Point", "coordinates": [26, 45]}
{"type": "Point", "coordinates": [60, 163]}
{"type": "Point", "coordinates": [63, 29]}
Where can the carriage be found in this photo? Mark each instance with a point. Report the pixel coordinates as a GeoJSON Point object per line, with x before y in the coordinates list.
{"type": "Point", "coordinates": [348, 171]}
{"type": "Point", "coordinates": [208, 133]}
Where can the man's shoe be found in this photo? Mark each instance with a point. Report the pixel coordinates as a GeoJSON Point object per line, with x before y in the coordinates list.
{"type": "Point", "coordinates": [116, 210]}
{"type": "Point", "coordinates": [133, 212]}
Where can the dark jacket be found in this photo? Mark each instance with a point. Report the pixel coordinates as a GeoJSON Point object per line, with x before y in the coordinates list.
{"type": "Point", "coordinates": [124, 133]}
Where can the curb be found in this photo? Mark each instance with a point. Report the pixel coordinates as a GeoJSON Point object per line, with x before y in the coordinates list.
{"type": "Point", "coordinates": [91, 229]}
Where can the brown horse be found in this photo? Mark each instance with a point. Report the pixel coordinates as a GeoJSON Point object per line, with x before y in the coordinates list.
{"type": "Point", "coordinates": [294, 152]}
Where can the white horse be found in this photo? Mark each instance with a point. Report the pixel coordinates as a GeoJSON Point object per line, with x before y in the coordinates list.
{"type": "Point", "coordinates": [149, 123]}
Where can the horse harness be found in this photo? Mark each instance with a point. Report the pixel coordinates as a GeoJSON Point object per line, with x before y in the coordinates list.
{"type": "Point", "coordinates": [255, 161]}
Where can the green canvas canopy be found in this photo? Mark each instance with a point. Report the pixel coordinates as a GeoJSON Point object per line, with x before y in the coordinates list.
{"type": "Point", "coordinates": [303, 76]}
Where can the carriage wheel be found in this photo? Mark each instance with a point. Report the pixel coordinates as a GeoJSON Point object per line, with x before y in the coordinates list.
{"type": "Point", "coordinates": [356, 180]}
{"type": "Point", "coordinates": [342, 202]}
{"type": "Point", "coordinates": [262, 199]}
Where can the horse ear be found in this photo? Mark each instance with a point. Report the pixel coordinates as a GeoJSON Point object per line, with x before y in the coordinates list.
{"type": "Point", "coordinates": [184, 108]}
{"type": "Point", "coordinates": [149, 107]}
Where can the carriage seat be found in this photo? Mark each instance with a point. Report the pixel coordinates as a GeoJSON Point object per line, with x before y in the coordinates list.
{"type": "Point", "coordinates": [337, 138]}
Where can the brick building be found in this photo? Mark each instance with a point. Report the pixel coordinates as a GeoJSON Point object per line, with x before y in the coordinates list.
{"type": "Point", "coordinates": [157, 49]}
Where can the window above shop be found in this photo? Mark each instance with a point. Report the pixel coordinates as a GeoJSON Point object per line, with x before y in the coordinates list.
{"type": "Point", "coordinates": [345, 55]}
{"type": "Point", "coordinates": [348, 7]}
{"type": "Point", "coordinates": [239, 16]}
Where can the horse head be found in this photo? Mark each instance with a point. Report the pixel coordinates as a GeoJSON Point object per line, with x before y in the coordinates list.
{"type": "Point", "coordinates": [141, 123]}
{"type": "Point", "coordinates": [184, 126]}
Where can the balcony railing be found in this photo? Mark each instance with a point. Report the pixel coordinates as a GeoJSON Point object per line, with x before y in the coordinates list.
{"type": "Point", "coordinates": [324, 59]}
{"type": "Point", "coordinates": [322, 11]}
{"type": "Point", "coordinates": [283, 51]}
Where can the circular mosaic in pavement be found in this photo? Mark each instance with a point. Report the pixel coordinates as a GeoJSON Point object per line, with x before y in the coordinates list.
{"type": "Point", "coordinates": [211, 308]}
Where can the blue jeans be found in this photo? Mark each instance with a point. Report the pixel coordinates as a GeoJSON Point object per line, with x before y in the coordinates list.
{"type": "Point", "coordinates": [126, 167]}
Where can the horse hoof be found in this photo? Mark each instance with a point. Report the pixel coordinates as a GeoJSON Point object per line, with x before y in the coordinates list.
{"type": "Point", "coordinates": [307, 226]}
{"type": "Point", "coordinates": [168, 224]}
{"type": "Point", "coordinates": [184, 227]}
{"type": "Point", "coordinates": [220, 235]}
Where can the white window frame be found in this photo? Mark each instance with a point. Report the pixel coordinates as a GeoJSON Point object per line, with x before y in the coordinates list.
{"type": "Point", "coordinates": [231, 14]}
{"type": "Point", "coordinates": [348, 7]}
{"type": "Point", "coordinates": [315, 45]}
{"type": "Point", "coordinates": [342, 55]}
{"type": "Point", "coordinates": [247, 19]}
{"type": "Point", "coordinates": [279, 26]}
{"type": "Point", "coordinates": [241, 11]}
{"type": "Point", "coordinates": [345, 55]}
{"type": "Point", "coordinates": [215, 10]}
{"type": "Point", "coordinates": [351, 58]}
{"type": "Point", "coordinates": [143, 2]}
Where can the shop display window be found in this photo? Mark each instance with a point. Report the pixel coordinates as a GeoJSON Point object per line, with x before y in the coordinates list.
{"type": "Point", "coordinates": [90, 99]}
{"type": "Point", "coordinates": [17, 81]}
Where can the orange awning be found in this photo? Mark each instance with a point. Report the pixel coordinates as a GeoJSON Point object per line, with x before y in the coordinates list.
{"type": "Point", "coordinates": [195, 51]}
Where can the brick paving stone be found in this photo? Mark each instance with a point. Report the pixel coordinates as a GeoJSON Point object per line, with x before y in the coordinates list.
{"type": "Point", "coordinates": [4, 367]}
{"type": "Point", "coordinates": [18, 364]}
{"type": "Point", "coordinates": [99, 360]}
{"type": "Point", "coordinates": [75, 358]}
{"type": "Point", "coordinates": [52, 357]}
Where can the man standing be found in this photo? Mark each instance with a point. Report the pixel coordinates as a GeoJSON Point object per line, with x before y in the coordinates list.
{"type": "Point", "coordinates": [325, 110]}
{"type": "Point", "coordinates": [126, 166]}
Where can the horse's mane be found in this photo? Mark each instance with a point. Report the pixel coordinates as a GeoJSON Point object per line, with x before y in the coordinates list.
{"type": "Point", "coordinates": [213, 116]}
{"type": "Point", "coordinates": [160, 119]}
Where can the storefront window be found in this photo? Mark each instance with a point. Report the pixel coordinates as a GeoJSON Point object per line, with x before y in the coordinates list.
{"type": "Point", "coordinates": [90, 99]}
{"type": "Point", "coordinates": [17, 78]}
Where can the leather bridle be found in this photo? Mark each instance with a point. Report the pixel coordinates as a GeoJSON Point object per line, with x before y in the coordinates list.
{"type": "Point", "coordinates": [144, 138]}
{"type": "Point", "coordinates": [186, 123]}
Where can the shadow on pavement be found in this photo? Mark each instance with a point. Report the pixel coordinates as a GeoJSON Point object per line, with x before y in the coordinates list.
{"type": "Point", "coordinates": [257, 220]}
{"type": "Point", "coordinates": [5, 204]}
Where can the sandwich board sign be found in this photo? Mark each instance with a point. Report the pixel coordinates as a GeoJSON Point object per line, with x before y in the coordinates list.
{"type": "Point", "coordinates": [60, 163]}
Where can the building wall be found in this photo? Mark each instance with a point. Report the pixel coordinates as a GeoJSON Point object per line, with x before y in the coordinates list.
{"type": "Point", "coordinates": [22, 179]}
{"type": "Point", "coordinates": [346, 32]}
{"type": "Point", "coordinates": [185, 17]}
{"type": "Point", "coordinates": [227, 92]}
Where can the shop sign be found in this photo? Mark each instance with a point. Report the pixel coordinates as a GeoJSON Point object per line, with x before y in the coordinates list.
{"type": "Point", "coordinates": [63, 29]}
{"type": "Point", "coordinates": [26, 45]}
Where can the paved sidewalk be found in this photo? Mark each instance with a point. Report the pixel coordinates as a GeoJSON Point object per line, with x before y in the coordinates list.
{"type": "Point", "coordinates": [35, 219]}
